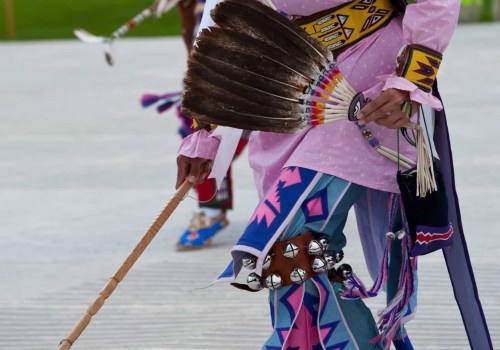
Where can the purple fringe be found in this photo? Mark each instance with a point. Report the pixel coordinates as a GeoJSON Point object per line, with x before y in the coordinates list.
{"type": "Point", "coordinates": [165, 106]}
{"type": "Point", "coordinates": [164, 103]}
{"type": "Point", "coordinates": [398, 309]}
{"type": "Point", "coordinates": [166, 100]}
{"type": "Point", "coordinates": [355, 287]}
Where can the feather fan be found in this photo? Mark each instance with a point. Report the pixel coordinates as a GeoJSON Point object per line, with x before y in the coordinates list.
{"type": "Point", "coordinates": [254, 19]}
{"type": "Point", "coordinates": [262, 56]}
{"type": "Point", "coordinates": [260, 71]}
{"type": "Point", "coordinates": [245, 46]}
{"type": "Point", "coordinates": [265, 95]}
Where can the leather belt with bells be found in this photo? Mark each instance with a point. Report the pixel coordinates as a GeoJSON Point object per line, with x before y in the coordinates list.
{"type": "Point", "coordinates": [293, 261]}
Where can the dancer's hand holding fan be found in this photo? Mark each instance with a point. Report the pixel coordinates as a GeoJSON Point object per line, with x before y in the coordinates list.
{"type": "Point", "coordinates": [260, 71]}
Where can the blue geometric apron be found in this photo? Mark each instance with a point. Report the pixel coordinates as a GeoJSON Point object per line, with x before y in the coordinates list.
{"type": "Point", "coordinates": [311, 315]}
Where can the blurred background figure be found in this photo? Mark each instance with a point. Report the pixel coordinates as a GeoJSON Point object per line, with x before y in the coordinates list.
{"type": "Point", "coordinates": [213, 203]}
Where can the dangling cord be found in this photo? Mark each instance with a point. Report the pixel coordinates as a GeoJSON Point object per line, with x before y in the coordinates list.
{"type": "Point", "coordinates": [427, 132]}
{"type": "Point", "coordinates": [397, 143]}
{"type": "Point", "coordinates": [399, 309]}
{"type": "Point", "coordinates": [208, 200]}
{"type": "Point", "coordinates": [426, 150]}
{"type": "Point", "coordinates": [391, 317]}
{"type": "Point", "coordinates": [202, 202]}
{"type": "Point", "coordinates": [407, 109]}
{"type": "Point", "coordinates": [355, 288]}
{"type": "Point", "coordinates": [410, 140]}
{"type": "Point", "coordinates": [426, 182]}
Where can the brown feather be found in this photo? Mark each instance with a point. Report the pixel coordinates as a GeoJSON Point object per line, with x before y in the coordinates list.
{"type": "Point", "coordinates": [248, 78]}
{"type": "Point", "coordinates": [255, 47]}
{"type": "Point", "coordinates": [198, 72]}
{"type": "Point", "coordinates": [252, 56]}
{"type": "Point", "coordinates": [249, 106]}
{"type": "Point", "coordinates": [251, 72]}
{"type": "Point", "coordinates": [238, 73]}
{"type": "Point", "coordinates": [313, 43]}
{"type": "Point", "coordinates": [198, 106]}
{"type": "Point", "coordinates": [265, 23]}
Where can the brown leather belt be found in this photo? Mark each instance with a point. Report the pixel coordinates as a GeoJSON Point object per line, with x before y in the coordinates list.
{"type": "Point", "coordinates": [293, 261]}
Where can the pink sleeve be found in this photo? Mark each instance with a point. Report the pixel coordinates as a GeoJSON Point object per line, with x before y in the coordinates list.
{"type": "Point", "coordinates": [429, 23]}
{"type": "Point", "coordinates": [199, 145]}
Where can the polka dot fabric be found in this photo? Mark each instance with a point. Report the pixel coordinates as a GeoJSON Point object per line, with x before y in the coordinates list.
{"type": "Point", "coordinates": [338, 148]}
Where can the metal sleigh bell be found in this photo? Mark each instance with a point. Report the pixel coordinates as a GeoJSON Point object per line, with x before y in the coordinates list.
{"type": "Point", "coordinates": [291, 250]}
{"type": "Point", "coordinates": [254, 281]}
{"type": "Point", "coordinates": [298, 276]}
{"type": "Point", "coordinates": [400, 234]}
{"type": "Point", "coordinates": [324, 243]}
{"type": "Point", "coordinates": [315, 248]}
{"type": "Point", "coordinates": [319, 265]}
{"type": "Point", "coordinates": [339, 255]}
{"type": "Point", "coordinates": [345, 270]}
{"type": "Point", "coordinates": [330, 261]}
{"type": "Point", "coordinates": [274, 281]}
{"type": "Point", "coordinates": [391, 236]}
{"type": "Point", "coordinates": [249, 262]}
{"type": "Point", "coordinates": [267, 262]}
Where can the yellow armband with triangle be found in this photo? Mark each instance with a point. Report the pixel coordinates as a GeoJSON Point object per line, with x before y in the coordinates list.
{"type": "Point", "coordinates": [419, 65]}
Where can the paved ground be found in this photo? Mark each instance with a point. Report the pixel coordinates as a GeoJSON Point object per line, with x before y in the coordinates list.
{"type": "Point", "coordinates": [83, 171]}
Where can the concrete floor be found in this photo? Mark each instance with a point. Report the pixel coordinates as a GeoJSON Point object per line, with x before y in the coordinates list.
{"type": "Point", "coordinates": [84, 170]}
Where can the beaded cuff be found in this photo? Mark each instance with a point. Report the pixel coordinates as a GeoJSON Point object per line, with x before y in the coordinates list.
{"type": "Point", "coordinates": [419, 65]}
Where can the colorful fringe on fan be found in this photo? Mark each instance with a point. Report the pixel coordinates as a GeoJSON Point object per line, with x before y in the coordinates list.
{"type": "Point", "coordinates": [330, 98]}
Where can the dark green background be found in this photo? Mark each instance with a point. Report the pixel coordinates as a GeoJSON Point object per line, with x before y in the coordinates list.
{"type": "Point", "coordinates": [56, 19]}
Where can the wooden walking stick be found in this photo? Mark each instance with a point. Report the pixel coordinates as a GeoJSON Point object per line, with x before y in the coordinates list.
{"type": "Point", "coordinates": [127, 265]}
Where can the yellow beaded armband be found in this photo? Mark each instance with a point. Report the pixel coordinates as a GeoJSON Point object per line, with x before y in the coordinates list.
{"type": "Point", "coordinates": [419, 65]}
